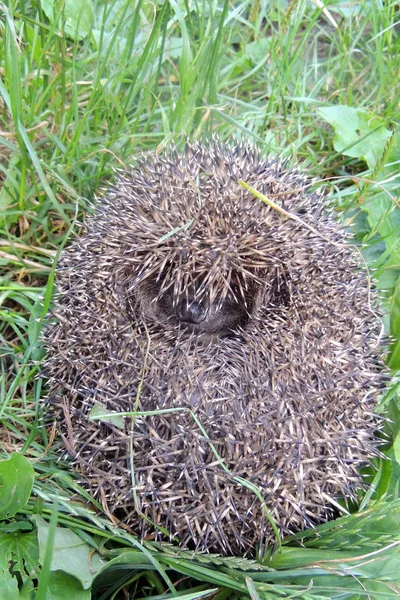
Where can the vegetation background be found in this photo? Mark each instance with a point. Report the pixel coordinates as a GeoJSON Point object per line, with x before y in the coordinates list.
{"type": "Point", "coordinates": [85, 86]}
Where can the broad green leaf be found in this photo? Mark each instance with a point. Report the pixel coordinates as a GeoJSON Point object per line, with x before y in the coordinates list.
{"type": "Point", "coordinates": [20, 550]}
{"type": "Point", "coordinates": [64, 587]}
{"type": "Point", "coordinates": [78, 16]}
{"type": "Point", "coordinates": [70, 554]}
{"type": "Point", "coordinates": [9, 189]}
{"type": "Point", "coordinates": [8, 585]}
{"type": "Point", "coordinates": [357, 133]}
{"type": "Point", "coordinates": [389, 477]}
{"type": "Point", "coordinates": [14, 526]}
{"type": "Point", "coordinates": [394, 358]}
{"type": "Point", "coordinates": [107, 416]}
{"type": "Point", "coordinates": [48, 9]}
{"type": "Point", "coordinates": [34, 325]}
{"type": "Point", "coordinates": [258, 50]}
{"type": "Point", "coordinates": [16, 482]}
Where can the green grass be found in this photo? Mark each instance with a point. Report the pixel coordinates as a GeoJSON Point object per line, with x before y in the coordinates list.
{"type": "Point", "coordinates": [84, 86]}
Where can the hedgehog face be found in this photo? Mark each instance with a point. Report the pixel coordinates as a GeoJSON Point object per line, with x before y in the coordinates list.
{"type": "Point", "coordinates": [205, 286]}
{"type": "Point", "coordinates": [196, 253]}
{"type": "Point", "coordinates": [196, 308]}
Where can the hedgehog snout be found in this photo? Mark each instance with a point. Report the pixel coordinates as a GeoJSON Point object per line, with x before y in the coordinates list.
{"type": "Point", "coordinates": [191, 311]}
{"type": "Point", "coordinates": [219, 316]}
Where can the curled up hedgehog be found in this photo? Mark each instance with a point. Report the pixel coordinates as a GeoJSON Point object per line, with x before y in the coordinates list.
{"type": "Point", "coordinates": [214, 362]}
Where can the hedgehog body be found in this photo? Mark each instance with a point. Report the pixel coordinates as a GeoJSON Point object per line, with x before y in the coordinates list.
{"type": "Point", "coordinates": [240, 342]}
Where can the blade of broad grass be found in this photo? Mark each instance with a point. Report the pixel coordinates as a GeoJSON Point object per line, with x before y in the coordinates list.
{"type": "Point", "coordinates": [11, 63]}
{"type": "Point", "coordinates": [211, 78]}
{"type": "Point", "coordinates": [44, 576]}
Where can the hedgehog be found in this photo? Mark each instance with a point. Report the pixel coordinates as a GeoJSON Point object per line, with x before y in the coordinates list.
{"type": "Point", "coordinates": [213, 361]}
